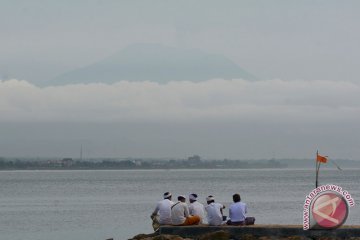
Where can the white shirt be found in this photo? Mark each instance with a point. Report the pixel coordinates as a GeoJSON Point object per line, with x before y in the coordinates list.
{"type": "Point", "coordinates": [237, 212]}
{"type": "Point", "coordinates": [197, 208]}
{"type": "Point", "coordinates": [163, 207]}
{"type": "Point", "coordinates": [214, 215]}
{"type": "Point", "coordinates": [179, 213]}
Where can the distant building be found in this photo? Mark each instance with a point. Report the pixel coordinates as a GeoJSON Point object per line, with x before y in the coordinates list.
{"type": "Point", "coordinates": [137, 163]}
{"type": "Point", "coordinates": [194, 160]}
{"type": "Point", "coordinates": [67, 162]}
{"type": "Point", "coordinates": [54, 163]}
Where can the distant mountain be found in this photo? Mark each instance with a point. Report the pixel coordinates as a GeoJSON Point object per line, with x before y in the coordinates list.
{"type": "Point", "coordinates": [157, 63]}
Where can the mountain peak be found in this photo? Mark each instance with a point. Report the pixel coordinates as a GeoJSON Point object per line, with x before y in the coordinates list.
{"type": "Point", "coordinates": [157, 63]}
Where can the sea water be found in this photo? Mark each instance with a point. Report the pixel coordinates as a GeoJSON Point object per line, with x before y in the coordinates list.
{"type": "Point", "coordinates": [102, 204]}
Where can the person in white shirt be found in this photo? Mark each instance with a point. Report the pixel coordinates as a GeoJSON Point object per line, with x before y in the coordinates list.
{"type": "Point", "coordinates": [214, 211]}
{"type": "Point", "coordinates": [196, 208]}
{"type": "Point", "coordinates": [237, 211]}
{"type": "Point", "coordinates": [180, 214]}
{"type": "Point", "coordinates": [163, 209]}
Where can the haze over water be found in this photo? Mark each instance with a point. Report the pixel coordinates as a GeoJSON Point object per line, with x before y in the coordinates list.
{"type": "Point", "coordinates": [97, 204]}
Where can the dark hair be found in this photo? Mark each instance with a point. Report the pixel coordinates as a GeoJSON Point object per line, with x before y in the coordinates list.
{"type": "Point", "coordinates": [180, 198]}
{"type": "Point", "coordinates": [211, 201]}
{"type": "Point", "coordinates": [194, 194]}
{"type": "Point", "coordinates": [167, 194]}
{"type": "Point", "coordinates": [236, 197]}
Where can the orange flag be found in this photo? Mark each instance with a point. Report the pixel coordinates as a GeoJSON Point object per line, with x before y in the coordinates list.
{"type": "Point", "coordinates": [322, 159]}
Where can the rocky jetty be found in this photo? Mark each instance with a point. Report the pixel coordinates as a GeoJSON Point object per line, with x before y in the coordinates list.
{"type": "Point", "coordinates": [264, 232]}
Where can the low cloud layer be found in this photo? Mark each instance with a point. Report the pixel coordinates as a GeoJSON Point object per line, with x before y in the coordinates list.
{"type": "Point", "coordinates": [216, 119]}
{"type": "Point", "coordinates": [214, 100]}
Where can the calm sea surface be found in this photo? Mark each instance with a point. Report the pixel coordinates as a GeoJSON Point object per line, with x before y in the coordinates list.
{"type": "Point", "coordinates": [96, 205]}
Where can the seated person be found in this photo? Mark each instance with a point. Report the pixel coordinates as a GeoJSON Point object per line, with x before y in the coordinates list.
{"type": "Point", "coordinates": [196, 208]}
{"type": "Point", "coordinates": [214, 211]}
{"type": "Point", "coordinates": [180, 215]}
{"type": "Point", "coordinates": [238, 211]}
{"type": "Point", "coordinates": [163, 209]}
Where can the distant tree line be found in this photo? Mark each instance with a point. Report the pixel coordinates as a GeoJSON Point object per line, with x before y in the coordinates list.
{"type": "Point", "coordinates": [193, 162]}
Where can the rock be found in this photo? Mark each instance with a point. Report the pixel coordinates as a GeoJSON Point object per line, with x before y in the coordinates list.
{"type": "Point", "coordinates": [143, 236]}
{"type": "Point", "coordinates": [167, 237]}
{"type": "Point", "coordinates": [155, 236]}
{"type": "Point", "coordinates": [218, 235]}
{"type": "Point", "coordinates": [297, 238]}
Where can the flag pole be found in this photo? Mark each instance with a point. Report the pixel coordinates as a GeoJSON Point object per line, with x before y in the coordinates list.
{"type": "Point", "coordinates": [317, 176]}
{"type": "Point", "coordinates": [317, 166]}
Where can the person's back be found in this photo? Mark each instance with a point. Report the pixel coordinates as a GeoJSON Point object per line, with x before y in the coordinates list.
{"type": "Point", "coordinates": [163, 209]}
{"type": "Point", "coordinates": [196, 208]}
{"type": "Point", "coordinates": [237, 212]}
{"type": "Point", "coordinates": [180, 214]}
{"type": "Point", "coordinates": [214, 212]}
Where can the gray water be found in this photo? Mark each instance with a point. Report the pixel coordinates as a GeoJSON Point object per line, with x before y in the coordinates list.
{"type": "Point", "coordinates": [96, 205]}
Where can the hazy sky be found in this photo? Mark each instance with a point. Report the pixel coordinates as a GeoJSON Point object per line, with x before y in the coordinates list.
{"type": "Point", "coordinates": [285, 39]}
{"type": "Point", "coordinates": [305, 54]}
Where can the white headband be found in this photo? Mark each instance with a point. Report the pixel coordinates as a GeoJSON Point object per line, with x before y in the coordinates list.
{"type": "Point", "coordinates": [210, 198]}
{"type": "Point", "coordinates": [192, 197]}
{"type": "Point", "coordinates": [182, 196]}
{"type": "Point", "coordinates": [167, 194]}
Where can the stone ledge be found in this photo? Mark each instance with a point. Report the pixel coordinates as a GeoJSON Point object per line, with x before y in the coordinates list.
{"type": "Point", "coordinates": [236, 232]}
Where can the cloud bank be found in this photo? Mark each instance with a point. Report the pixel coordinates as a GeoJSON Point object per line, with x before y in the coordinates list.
{"type": "Point", "coordinates": [213, 100]}
{"type": "Point", "coordinates": [216, 118]}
